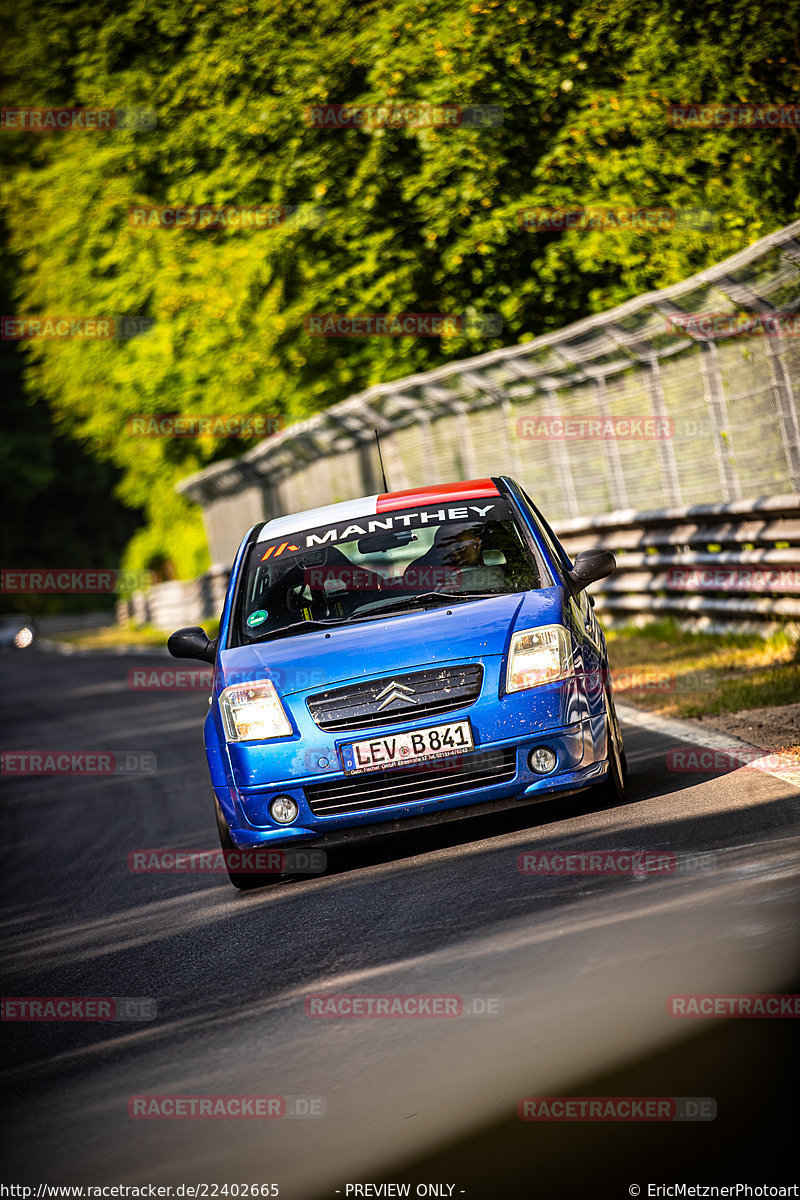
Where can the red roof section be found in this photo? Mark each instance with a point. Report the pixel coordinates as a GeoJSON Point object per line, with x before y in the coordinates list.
{"type": "Point", "coordinates": [470, 489]}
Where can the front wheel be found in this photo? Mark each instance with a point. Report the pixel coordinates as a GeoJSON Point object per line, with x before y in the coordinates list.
{"type": "Point", "coordinates": [245, 881]}
{"type": "Point", "coordinates": [613, 786]}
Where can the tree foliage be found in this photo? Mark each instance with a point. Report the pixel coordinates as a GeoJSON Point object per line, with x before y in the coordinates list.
{"type": "Point", "coordinates": [56, 499]}
{"type": "Point", "coordinates": [417, 219]}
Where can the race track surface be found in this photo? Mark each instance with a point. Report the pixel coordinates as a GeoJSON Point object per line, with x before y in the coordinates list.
{"type": "Point", "coordinates": [578, 969]}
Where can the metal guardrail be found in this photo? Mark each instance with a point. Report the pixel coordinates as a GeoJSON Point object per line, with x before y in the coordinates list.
{"type": "Point", "coordinates": [736, 565]}
{"type": "Point", "coordinates": [728, 563]}
{"type": "Point", "coordinates": [726, 405]}
{"type": "Point", "coordinates": [176, 603]}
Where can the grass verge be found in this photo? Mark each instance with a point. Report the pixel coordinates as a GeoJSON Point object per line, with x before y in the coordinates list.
{"type": "Point", "coordinates": [665, 669]}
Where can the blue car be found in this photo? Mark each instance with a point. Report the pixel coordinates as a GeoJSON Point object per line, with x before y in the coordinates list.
{"type": "Point", "coordinates": [400, 660]}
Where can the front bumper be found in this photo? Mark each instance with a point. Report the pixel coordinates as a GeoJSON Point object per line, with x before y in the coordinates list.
{"type": "Point", "coordinates": [580, 748]}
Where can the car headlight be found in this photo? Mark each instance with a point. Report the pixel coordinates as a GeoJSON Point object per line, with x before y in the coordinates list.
{"type": "Point", "coordinates": [538, 656]}
{"type": "Point", "coordinates": [252, 712]}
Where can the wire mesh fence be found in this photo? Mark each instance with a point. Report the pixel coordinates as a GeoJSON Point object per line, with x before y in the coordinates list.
{"type": "Point", "coordinates": [679, 397]}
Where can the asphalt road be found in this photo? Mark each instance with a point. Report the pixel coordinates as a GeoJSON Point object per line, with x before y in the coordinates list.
{"type": "Point", "coordinates": [577, 970]}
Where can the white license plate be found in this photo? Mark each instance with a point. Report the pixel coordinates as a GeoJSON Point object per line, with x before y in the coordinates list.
{"type": "Point", "coordinates": [419, 745]}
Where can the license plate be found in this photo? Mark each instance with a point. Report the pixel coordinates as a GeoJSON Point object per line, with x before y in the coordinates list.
{"type": "Point", "coordinates": [419, 745]}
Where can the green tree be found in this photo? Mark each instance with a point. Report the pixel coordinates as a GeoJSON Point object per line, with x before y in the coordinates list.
{"type": "Point", "coordinates": [417, 219]}
{"type": "Point", "coordinates": [57, 500]}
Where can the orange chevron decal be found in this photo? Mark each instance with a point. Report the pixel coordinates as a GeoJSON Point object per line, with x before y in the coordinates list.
{"type": "Point", "coordinates": [283, 546]}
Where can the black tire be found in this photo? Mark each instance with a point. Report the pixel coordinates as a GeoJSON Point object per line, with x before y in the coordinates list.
{"type": "Point", "coordinates": [245, 881]}
{"type": "Point", "coordinates": [613, 786]}
{"type": "Point", "coordinates": [621, 743]}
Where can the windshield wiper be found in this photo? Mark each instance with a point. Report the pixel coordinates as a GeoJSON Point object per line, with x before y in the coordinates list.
{"type": "Point", "coordinates": [376, 609]}
{"type": "Point", "coordinates": [298, 627]}
{"type": "Point", "coordinates": [426, 599]}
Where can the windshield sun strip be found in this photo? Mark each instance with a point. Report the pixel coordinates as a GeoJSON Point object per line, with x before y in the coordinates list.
{"type": "Point", "coordinates": [500, 514]}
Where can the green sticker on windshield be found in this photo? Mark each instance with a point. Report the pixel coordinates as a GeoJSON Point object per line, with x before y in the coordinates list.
{"type": "Point", "coordinates": [257, 617]}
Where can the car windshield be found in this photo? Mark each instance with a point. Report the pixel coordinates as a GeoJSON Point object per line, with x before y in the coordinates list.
{"type": "Point", "coordinates": [369, 564]}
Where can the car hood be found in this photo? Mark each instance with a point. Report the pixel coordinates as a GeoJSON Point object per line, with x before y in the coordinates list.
{"type": "Point", "coordinates": [403, 642]}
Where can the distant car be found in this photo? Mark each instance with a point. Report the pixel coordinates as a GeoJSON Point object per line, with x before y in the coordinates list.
{"type": "Point", "coordinates": [17, 631]}
{"type": "Point", "coordinates": [403, 659]}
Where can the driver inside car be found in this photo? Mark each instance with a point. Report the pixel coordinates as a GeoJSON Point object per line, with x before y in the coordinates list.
{"type": "Point", "coordinates": [333, 586]}
{"type": "Point", "coordinates": [459, 560]}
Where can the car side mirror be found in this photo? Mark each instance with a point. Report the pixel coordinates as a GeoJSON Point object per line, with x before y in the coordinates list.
{"type": "Point", "coordinates": [192, 643]}
{"type": "Point", "coordinates": [591, 565]}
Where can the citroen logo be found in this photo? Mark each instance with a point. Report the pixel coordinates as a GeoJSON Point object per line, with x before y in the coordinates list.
{"type": "Point", "coordinates": [395, 691]}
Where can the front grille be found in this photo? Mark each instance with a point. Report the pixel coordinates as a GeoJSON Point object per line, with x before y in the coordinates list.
{"type": "Point", "coordinates": [413, 696]}
{"type": "Point", "coordinates": [407, 785]}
